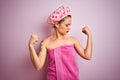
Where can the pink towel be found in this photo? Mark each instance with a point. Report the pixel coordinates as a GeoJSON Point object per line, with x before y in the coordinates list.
{"type": "Point", "coordinates": [62, 63]}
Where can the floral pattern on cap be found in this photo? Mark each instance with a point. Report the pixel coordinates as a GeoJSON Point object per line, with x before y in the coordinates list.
{"type": "Point", "coordinates": [58, 14]}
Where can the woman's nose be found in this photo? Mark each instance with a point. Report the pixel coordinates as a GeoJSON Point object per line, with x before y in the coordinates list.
{"type": "Point", "coordinates": [68, 28]}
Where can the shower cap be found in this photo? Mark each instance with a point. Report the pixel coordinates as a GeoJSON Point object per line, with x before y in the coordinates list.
{"type": "Point", "coordinates": [58, 14]}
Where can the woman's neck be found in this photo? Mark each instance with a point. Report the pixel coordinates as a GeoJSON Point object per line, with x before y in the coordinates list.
{"type": "Point", "coordinates": [57, 35]}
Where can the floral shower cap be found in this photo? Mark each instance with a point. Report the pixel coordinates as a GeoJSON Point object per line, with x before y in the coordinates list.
{"type": "Point", "coordinates": [58, 14]}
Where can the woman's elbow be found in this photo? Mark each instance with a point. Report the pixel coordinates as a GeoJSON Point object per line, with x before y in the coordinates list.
{"type": "Point", "coordinates": [38, 68]}
{"type": "Point", "coordinates": [88, 58]}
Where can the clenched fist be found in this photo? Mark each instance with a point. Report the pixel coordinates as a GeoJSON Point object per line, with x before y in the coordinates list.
{"type": "Point", "coordinates": [33, 39]}
{"type": "Point", "coordinates": [86, 30]}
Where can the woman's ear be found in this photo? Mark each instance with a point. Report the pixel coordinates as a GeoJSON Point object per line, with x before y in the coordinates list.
{"type": "Point", "coordinates": [56, 24]}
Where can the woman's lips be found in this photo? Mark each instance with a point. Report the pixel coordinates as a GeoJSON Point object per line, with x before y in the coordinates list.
{"type": "Point", "coordinates": [67, 31]}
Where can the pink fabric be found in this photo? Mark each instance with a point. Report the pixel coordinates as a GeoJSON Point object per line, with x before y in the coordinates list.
{"type": "Point", "coordinates": [58, 14]}
{"type": "Point", "coordinates": [62, 63]}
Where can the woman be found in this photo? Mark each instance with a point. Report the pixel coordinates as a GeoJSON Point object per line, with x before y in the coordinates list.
{"type": "Point", "coordinates": [60, 48]}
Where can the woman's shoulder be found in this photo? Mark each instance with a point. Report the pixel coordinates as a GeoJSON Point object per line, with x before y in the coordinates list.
{"type": "Point", "coordinates": [72, 38]}
{"type": "Point", "coordinates": [44, 41]}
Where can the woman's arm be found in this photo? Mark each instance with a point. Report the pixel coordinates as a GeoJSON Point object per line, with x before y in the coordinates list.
{"type": "Point", "coordinates": [37, 60]}
{"type": "Point", "coordinates": [87, 52]}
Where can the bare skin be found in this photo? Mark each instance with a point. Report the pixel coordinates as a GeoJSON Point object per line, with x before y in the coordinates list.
{"type": "Point", "coordinates": [59, 38]}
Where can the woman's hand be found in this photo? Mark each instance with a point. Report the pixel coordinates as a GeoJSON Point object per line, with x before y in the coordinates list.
{"type": "Point", "coordinates": [86, 30]}
{"type": "Point", "coordinates": [33, 39]}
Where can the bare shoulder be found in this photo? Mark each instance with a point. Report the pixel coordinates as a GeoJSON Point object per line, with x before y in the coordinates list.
{"type": "Point", "coordinates": [44, 43]}
{"type": "Point", "coordinates": [74, 39]}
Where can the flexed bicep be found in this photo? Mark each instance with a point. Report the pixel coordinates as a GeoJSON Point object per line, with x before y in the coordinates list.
{"type": "Point", "coordinates": [79, 49]}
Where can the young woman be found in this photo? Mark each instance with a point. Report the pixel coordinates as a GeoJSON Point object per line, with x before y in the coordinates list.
{"type": "Point", "coordinates": [60, 48]}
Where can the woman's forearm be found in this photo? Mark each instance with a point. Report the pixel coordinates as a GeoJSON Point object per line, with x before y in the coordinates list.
{"type": "Point", "coordinates": [34, 57]}
{"type": "Point", "coordinates": [89, 46]}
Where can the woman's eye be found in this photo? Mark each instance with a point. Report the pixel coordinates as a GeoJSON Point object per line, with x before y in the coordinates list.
{"type": "Point", "coordinates": [66, 25]}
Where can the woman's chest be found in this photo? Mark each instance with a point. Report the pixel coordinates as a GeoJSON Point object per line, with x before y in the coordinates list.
{"type": "Point", "coordinates": [58, 43]}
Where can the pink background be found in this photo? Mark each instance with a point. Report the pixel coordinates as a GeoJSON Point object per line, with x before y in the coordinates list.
{"type": "Point", "coordinates": [21, 18]}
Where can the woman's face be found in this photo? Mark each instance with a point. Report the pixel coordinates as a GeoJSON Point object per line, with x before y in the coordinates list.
{"type": "Point", "coordinates": [64, 27]}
